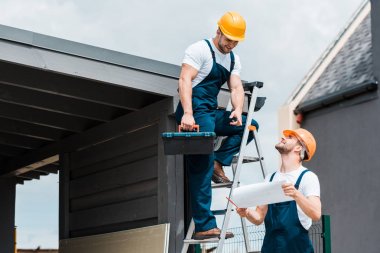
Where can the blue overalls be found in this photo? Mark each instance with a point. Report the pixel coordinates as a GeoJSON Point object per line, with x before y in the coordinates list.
{"type": "Point", "coordinates": [284, 231]}
{"type": "Point", "coordinates": [200, 167]}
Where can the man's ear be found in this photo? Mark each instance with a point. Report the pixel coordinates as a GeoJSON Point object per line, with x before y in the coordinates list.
{"type": "Point", "coordinates": [298, 148]}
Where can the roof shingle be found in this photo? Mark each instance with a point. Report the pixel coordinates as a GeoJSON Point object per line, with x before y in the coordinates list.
{"type": "Point", "coordinates": [351, 67]}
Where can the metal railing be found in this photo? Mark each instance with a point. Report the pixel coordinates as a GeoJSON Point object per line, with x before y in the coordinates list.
{"type": "Point", "coordinates": [319, 234]}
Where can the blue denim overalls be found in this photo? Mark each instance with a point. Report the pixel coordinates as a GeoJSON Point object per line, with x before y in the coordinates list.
{"type": "Point", "coordinates": [200, 167]}
{"type": "Point", "coordinates": [284, 231]}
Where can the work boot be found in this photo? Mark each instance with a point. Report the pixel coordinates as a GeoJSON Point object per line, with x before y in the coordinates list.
{"type": "Point", "coordinates": [218, 177]}
{"type": "Point", "coordinates": [212, 233]}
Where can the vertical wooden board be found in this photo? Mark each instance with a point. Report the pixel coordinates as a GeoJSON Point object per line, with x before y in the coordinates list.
{"type": "Point", "coordinates": [64, 201]}
{"type": "Point", "coordinates": [7, 214]}
{"type": "Point", "coordinates": [170, 187]}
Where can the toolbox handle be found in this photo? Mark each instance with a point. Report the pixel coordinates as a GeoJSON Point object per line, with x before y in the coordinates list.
{"type": "Point", "coordinates": [195, 128]}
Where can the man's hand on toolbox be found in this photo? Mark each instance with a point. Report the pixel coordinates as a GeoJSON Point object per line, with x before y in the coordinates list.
{"type": "Point", "coordinates": [187, 122]}
{"type": "Point", "coordinates": [236, 118]}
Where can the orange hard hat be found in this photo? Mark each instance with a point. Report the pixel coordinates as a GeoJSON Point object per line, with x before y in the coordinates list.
{"type": "Point", "coordinates": [232, 26]}
{"type": "Point", "coordinates": [306, 138]}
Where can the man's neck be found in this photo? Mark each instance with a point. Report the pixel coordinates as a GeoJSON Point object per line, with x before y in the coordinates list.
{"type": "Point", "coordinates": [289, 163]}
{"type": "Point", "coordinates": [215, 41]}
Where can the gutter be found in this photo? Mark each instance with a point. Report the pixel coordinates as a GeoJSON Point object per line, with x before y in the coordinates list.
{"type": "Point", "coordinates": [324, 101]}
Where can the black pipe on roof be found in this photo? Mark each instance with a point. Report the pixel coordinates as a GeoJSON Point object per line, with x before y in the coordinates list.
{"type": "Point", "coordinates": [314, 104]}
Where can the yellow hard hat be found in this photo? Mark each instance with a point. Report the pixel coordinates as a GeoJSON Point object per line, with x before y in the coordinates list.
{"type": "Point", "coordinates": [306, 138]}
{"type": "Point", "coordinates": [232, 26]}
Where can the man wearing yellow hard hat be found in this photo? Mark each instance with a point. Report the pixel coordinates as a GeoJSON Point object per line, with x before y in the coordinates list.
{"type": "Point", "coordinates": [287, 223]}
{"type": "Point", "coordinates": [207, 65]}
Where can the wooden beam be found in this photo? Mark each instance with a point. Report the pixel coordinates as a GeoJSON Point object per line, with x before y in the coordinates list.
{"type": "Point", "coordinates": [30, 175]}
{"type": "Point", "coordinates": [74, 87]}
{"type": "Point", "coordinates": [36, 165]}
{"type": "Point", "coordinates": [44, 118]}
{"type": "Point", "coordinates": [20, 141]}
{"type": "Point", "coordinates": [51, 168]}
{"type": "Point", "coordinates": [59, 104]}
{"type": "Point", "coordinates": [11, 151]}
{"type": "Point", "coordinates": [131, 122]}
{"type": "Point", "coordinates": [31, 130]}
{"type": "Point", "coordinates": [19, 180]}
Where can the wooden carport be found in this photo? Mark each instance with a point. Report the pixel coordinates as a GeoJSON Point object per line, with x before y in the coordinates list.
{"type": "Point", "coordinates": [96, 116]}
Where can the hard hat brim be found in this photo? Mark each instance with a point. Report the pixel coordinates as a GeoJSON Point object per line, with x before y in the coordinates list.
{"type": "Point", "coordinates": [288, 133]}
{"type": "Point", "coordinates": [239, 39]}
{"type": "Point", "coordinates": [234, 38]}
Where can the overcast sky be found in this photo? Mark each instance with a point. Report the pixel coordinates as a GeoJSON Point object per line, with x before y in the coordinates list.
{"type": "Point", "coordinates": [284, 39]}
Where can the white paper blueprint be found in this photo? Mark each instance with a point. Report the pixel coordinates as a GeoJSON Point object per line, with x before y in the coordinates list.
{"type": "Point", "coordinates": [259, 194]}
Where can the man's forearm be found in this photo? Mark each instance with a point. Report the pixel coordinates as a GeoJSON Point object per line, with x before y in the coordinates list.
{"type": "Point", "coordinates": [237, 98]}
{"type": "Point", "coordinates": [310, 206]}
{"type": "Point", "coordinates": [185, 93]}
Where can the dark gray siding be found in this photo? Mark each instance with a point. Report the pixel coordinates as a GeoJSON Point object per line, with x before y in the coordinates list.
{"type": "Point", "coordinates": [124, 181]}
{"type": "Point", "coordinates": [347, 162]}
{"type": "Point", "coordinates": [114, 185]}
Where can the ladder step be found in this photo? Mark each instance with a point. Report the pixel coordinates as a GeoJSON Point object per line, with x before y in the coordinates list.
{"type": "Point", "coordinates": [219, 212]}
{"type": "Point", "coordinates": [247, 159]}
{"type": "Point", "coordinates": [192, 241]}
{"type": "Point", "coordinates": [222, 185]}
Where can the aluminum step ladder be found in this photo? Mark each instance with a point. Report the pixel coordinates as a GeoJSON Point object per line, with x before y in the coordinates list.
{"type": "Point", "coordinates": [254, 104]}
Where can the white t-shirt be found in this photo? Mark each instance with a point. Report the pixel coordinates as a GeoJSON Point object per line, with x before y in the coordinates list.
{"type": "Point", "coordinates": [198, 55]}
{"type": "Point", "coordinates": [309, 186]}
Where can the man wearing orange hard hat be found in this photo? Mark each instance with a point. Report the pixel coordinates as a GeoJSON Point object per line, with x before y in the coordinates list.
{"type": "Point", "coordinates": [287, 223]}
{"type": "Point", "coordinates": [207, 65]}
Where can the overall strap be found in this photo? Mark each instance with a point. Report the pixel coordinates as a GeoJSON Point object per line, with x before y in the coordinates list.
{"type": "Point", "coordinates": [212, 51]}
{"type": "Point", "coordinates": [300, 178]}
{"type": "Point", "coordinates": [232, 61]}
{"type": "Point", "coordinates": [271, 178]}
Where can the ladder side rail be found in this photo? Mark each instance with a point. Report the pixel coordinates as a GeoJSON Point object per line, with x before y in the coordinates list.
{"type": "Point", "coordinates": [245, 234]}
{"type": "Point", "coordinates": [224, 228]}
{"type": "Point", "coordinates": [243, 221]}
{"type": "Point", "coordinates": [188, 236]}
{"type": "Point", "coordinates": [243, 147]}
{"type": "Point", "coordinates": [259, 152]}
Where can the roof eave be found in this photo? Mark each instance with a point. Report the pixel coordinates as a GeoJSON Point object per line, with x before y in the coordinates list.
{"type": "Point", "coordinates": [64, 46]}
{"type": "Point", "coordinates": [318, 103]}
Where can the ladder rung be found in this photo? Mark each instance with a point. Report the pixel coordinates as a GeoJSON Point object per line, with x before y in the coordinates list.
{"type": "Point", "coordinates": [247, 159]}
{"type": "Point", "coordinates": [222, 185]}
{"type": "Point", "coordinates": [192, 241]}
{"type": "Point", "coordinates": [219, 212]}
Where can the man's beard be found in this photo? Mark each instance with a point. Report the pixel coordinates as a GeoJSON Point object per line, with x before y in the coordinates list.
{"type": "Point", "coordinates": [283, 148]}
{"type": "Point", "coordinates": [222, 47]}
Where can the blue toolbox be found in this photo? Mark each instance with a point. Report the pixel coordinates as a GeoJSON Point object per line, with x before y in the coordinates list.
{"type": "Point", "coordinates": [176, 143]}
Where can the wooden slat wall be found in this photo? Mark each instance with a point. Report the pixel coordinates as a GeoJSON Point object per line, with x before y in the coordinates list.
{"type": "Point", "coordinates": [113, 185]}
